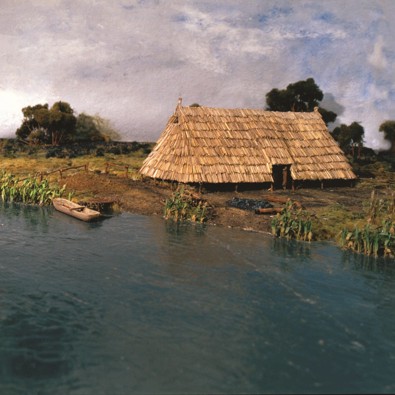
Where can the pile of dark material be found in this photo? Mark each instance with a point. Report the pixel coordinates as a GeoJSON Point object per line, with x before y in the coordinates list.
{"type": "Point", "coordinates": [249, 204]}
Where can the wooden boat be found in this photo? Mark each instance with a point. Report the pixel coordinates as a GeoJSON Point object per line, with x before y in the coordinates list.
{"type": "Point", "coordinates": [75, 210]}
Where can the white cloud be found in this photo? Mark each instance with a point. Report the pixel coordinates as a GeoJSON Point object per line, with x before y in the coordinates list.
{"type": "Point", "coordinates": [131, 60]}
{"type": "Point", "coordinates": [10, 101]}
{"type": "Point", "coordinates": [377, 58]}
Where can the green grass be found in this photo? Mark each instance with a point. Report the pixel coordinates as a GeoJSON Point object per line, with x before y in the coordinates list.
{"type": "Point", "coordinates": [184, 207]}
{"type": "Point", "coordinates": [28, 190]}
{"type": "Point", "coordinates": [293, 223]}
{"type": "Point", "coordinates": [25, 165]}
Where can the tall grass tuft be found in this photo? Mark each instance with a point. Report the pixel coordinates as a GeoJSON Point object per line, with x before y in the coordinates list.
{"type": "Point", "coordinates": [293, 223]}
{"type": "Point", "coordinates": [28, 190]}
{"type": "Point", "coordinates": [184, 207]}
{"type": "Point", "coordinates": [377, 236]}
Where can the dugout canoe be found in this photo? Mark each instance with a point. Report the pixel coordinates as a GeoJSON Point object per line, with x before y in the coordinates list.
{"type": "Point", "coordinates": [75, 210]}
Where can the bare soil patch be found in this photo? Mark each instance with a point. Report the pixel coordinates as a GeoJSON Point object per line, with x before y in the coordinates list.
{"type": "Point", "coordinates": [147, 197]}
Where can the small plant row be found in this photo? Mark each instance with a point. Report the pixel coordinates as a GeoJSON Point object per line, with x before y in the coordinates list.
{"type": "Point", "coordinates": [375, 237]}
{"type": "Point", "coordinates": [378, 208]}
{"type": "Point", "coordinates": [28, 190]}
{"type": "Point", "coordinates": [292, 223]}
{"type": "Point", "coordinates": [184, 207]}
{"type": "Point", "coordinates": [371, 240]}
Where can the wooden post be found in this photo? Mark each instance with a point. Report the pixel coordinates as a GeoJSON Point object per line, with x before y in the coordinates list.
{"type": "Point", "coordinates": [107, 167]}
{"type": "Point", "coordinates": [236, 187]}
{"type": "Point", "coordinates": [285, 177]}
{"type": "Point", "coordinates": [322, 184]}
{"type": "Point", "coordinates": [126, 172]}
{"type": "Point", "coordinates": [293, 185]}
{"type": "Point", "coordinates": [61, 173]}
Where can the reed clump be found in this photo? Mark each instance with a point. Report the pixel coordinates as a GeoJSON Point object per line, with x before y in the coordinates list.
{"type": "Point", "coordinates": [183, 206]}
{"type": "Point", "coordinates": [376, 236]}
{"type": "Point", "coordinates": [293, 223]}
{"type": "Point", "coordinates": [28, 190]}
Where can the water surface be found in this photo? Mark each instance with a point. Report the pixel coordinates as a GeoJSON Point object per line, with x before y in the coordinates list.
{"type": "Point", "coordinates": [135, 304]}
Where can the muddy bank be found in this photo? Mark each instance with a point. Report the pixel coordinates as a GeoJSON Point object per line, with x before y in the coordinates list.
{"type": "Point", "coordinates": [147, 197]}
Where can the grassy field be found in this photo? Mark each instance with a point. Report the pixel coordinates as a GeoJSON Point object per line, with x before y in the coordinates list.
{"type": "Point", "coordinates": [25, 165]}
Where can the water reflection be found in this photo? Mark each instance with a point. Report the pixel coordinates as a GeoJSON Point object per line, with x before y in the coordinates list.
{"type": "Point", "coordinates": [291, 248]}
{"type": "Point", "coordinates": [35, 217]}
{"type": "Point", "coordinates": [76, 223]}
{"type": "Point", "coordinates": [367, 263]}
{"type": "Point", "coordinates": [180, 230]}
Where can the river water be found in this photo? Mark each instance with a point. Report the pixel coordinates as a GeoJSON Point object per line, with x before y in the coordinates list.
{"type": "Point", "coordinates": [135, 304]}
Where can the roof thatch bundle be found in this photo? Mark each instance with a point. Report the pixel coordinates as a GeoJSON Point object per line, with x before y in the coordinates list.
{"type": "Point", "coordinates": [215, 145]}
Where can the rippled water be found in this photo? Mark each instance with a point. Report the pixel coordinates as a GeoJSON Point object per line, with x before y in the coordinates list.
{"type": "Point", "coordinates": [133, 304]}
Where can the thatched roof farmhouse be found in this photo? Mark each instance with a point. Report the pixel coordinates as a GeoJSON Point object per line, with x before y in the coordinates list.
{"type": "Point", "coordinates": [216, 145]}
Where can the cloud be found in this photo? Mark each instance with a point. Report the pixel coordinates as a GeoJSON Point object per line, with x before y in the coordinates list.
{"type": "Point", "coordinates": [11, 100]}
{"type": "Point", "coordinates": [378, 58]}
{"type": "Point", "coordinates": [130, 60]}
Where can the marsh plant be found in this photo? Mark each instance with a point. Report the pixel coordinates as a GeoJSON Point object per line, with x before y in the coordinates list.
{"type": "Point", "coordinates": [376, 241]}
{"type": "Point", "coordinates": [181, 206]}
{"type": "Point", "coordinates": [28, 190]}
{"type": "Point", "coordinates": [379, 207]}
{"type": "Point", "coordinates": [293, 223]}
{"type": "Point", "coordinates": [377, 236]}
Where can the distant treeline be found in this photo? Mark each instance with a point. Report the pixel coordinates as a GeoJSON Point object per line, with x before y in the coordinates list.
{"type": "Point", "coordinates": [10, 147]}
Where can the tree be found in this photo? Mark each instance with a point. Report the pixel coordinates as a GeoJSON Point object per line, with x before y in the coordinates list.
{"type": "Point", "coordinates": [34, 117]}
{"type": "Point", "coordinates": [61, 123]}
{"type": "Point", "coordinates": [58, 125]}
{"type": "Point", "coordinates": [388, 128]}
{"type": "Point", "coordinates": [86, 129]}
{"type": "Point", "coordinates": [301, 96]}
{"type": "Point", "coordinates": [37, 136]}
{"type": "Point", "coordinates": [327, 116]}
{"type": "Point", "coordinates": [349, 136]}
{"type": "Point", "coordinates": [105, 128]}
{"type": "Point", "coordinates": [46, 125]}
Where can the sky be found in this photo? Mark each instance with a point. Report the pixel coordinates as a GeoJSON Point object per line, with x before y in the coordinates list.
{"type": "Point", "coordinates": [130, 60]}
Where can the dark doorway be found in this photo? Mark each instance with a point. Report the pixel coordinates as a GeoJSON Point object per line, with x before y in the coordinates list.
{"type": "Point", "coordinates": [282, 176]}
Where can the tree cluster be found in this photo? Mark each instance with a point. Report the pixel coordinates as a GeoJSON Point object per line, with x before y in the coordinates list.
{"type": "Point", "coordinates": [301, 96]}
{"type": "Point", "coordinates": [59, 125]}
{"type": "Point", "coordinates": [350, 136]}
{"type": "Point", "coordinates": [304, 96]}
{"type": "Point", "coordinates": [388, 128]}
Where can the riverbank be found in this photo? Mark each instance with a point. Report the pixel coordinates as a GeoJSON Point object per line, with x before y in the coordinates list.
{"type": "Point", "coordinates": [335, 207]}
{"type": "Point", "coordinates": [108, 175]}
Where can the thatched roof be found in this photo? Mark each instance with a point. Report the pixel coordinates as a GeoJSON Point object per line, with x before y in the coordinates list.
{"type": "Point", "coordinates": [215, 145]}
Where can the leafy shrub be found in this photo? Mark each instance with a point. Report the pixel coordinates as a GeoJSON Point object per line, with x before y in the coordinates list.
{"type": "Point", "coordinates": [184, 207]}
{"type": "Point", "coordinates": [55, 152]}
{"type": "Point", "coordinates": [27, 191]}
{"type": "Point", "coordinates": [100, 151]}
{"type": "Point", "coordinates": [292, 223]}
{"type": "Point", "coordinates": [373, 238]}
{"type": "Point", "coordinates": [9, 149]}
{"type": "Point", "coordinates": [114, 150]}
